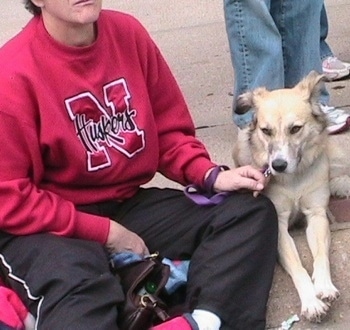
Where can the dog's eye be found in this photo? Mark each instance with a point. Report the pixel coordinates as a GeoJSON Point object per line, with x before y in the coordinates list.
{"type": "Point", "coordinates": [266, 131]}
{"type": "Point", "coordinates": [295, 129]}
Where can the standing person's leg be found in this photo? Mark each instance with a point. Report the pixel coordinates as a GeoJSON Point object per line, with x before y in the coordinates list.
{"type": "Point", "coordinates": [325, 50]}
{"type": "Point", "coordinates": [300, 29]}
{"type": "Point", "coordinates": [255, 45]}
{"type": "Point", "coordinates": [332, 67]}
{"type": "Point", "coordinates": [232, 247]}
{"type": "Point", "coordinates": [65, 283]}
{"type": "Point", "coordinates": [299, 24]}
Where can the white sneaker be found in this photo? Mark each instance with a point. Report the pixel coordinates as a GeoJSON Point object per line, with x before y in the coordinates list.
{"type": "Point", "coordinates": [347, 65]}
{"type": "Point", "coordinates": [335, 69]}
{"type": "Point", "coordinates": [338, 119]}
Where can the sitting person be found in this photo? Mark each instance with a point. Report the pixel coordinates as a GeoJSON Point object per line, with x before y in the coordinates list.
{"type": "Point", "coordinates": [89, 112]}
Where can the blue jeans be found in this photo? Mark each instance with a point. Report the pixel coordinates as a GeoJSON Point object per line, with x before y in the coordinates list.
{"type": "Point", "coordinates": [325, 50]}
{"type": "Point", "coordinates": [273, 43]}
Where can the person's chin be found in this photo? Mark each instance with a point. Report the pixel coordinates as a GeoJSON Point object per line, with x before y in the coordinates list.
{"type": "Point", "coordinates": [88, 13]}
{"type": "Point", "coordinates": [87, 18]}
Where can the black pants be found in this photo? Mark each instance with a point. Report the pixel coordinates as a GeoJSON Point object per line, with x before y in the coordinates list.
{"type": "Point", "coordinates": [66, 283]}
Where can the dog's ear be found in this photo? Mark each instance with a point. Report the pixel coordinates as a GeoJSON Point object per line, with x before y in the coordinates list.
{"type": "Point", "coordinates": [311, 86]}
{"type": "Point", "coordinates": [246, 101]}
{"type": "Point", "coordinates": [245, 108]}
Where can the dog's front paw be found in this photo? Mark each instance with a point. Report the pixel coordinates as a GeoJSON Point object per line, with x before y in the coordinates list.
{"type": "Point", "coordinates": [324, 288]}
{"type": "Point", "coordinates": [328, 294]}
{"type": "Point", "coordinates": [314, 310]}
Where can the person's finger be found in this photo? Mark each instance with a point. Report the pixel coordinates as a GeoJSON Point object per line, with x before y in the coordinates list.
{"type": "Point", "coordinates": [251, 172]}
{"type": "Point", "coordinates": [247, 183]}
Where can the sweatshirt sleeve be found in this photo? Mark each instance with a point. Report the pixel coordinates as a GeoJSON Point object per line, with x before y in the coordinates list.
{"type": "Point", "coordinates": [183, 157]}
{"type": "Point", "coordinates": [27, 209]}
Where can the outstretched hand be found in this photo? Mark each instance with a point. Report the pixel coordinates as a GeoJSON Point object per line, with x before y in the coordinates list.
{"type": "Point", "coordinates": [245, 177]}
{"type": "Point", "coordinates": [121, 239]}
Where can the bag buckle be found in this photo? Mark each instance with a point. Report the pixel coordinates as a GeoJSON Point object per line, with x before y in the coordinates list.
{"type": "Point", "coordinates": [147, 300]}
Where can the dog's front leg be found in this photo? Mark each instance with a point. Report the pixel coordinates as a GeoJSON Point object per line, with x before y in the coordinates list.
{"type": "Point", "coordinates": [312, 308]}
{"type": "Point", "coordinates": [318, 237]}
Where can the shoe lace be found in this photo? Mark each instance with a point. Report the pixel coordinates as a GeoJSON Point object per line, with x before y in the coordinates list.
{"type": "Point", "coordinates": [326, 109]}
{"type": "Point", "coordinates": [333, 113]}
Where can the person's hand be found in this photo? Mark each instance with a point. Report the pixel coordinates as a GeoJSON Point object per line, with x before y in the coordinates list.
{"type": "Point", "coordinates": [245, 177]}
{"type": "Point", "coordinates": [121, 239]}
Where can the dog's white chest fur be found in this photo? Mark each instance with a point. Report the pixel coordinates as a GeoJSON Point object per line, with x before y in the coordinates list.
{"type": "Point", "coordinates": [299, 192]}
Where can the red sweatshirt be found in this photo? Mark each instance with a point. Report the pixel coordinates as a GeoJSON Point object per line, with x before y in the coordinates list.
{"type": "Point", "coordinates": [88, 124]}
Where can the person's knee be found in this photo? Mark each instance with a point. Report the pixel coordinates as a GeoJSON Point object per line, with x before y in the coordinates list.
{"type": "Point", "coordinates": [77, 271]}
{"type": "Point", "coordinates": [267, 214]}
{"type": "Point", "coordinates": [65, 263]}
{"type": "Point", "coordinates": [258, 212]}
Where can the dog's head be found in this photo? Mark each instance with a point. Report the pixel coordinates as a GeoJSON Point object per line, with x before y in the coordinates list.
{"type": "Point", "coordinates": [289, 127]}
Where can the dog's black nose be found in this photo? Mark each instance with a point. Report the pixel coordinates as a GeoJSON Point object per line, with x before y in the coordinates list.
{"type": "Point", "coordinates": [279, 165]}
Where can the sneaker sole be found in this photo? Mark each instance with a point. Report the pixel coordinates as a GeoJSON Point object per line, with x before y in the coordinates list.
{"type": "Point", "coordinates": [340, 128]}
{"type": "Point", "coordinates": [332, 75]}
{"type": "Point", "coordinates": [347, 65]}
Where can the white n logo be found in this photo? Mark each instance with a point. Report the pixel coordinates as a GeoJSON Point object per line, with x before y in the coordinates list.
{"type": "Point", "coordinates": [112, 126]}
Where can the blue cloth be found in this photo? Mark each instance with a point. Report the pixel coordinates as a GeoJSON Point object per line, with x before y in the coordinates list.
{"type": "Point", "coordinates": [121, 259]}
{"type": "Point", "coordinates": [273, 43]}
{"type": "Point", "coordinates": [178, 274]}
{"type": "Point", "coordinates": [178, 268]}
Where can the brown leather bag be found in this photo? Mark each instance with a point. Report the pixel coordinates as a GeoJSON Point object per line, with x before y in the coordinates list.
{"type": "Point", "coordinates": [142, 282]}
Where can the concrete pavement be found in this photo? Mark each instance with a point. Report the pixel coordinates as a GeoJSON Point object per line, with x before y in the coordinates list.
{"type": "Point", "coordinates": [193, 39]}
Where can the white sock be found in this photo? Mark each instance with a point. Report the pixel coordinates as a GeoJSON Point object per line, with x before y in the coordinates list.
{"type": "Point", "coordinates": [206, 320]}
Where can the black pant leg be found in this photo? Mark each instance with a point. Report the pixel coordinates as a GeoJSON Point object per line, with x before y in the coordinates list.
{"type": "Point", "coordinates": [232, 247]}
{"type": "Point", "coordinates": [66, 283]}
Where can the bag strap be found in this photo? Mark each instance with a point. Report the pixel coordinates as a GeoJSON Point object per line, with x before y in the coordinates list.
{"type": "Point", "coordinates": [200, 198]}
{"type": "Point", "coordinates": [152, 302]}
{"type": "Point", "coordinates": [205, 195]}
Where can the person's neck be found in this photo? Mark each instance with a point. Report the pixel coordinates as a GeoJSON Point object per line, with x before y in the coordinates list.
{"type": "Point", "coordinates": [73, 35]}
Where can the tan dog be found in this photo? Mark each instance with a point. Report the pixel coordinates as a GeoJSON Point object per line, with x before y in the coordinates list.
{"type": "Point", "coordinates": [288, 135]}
